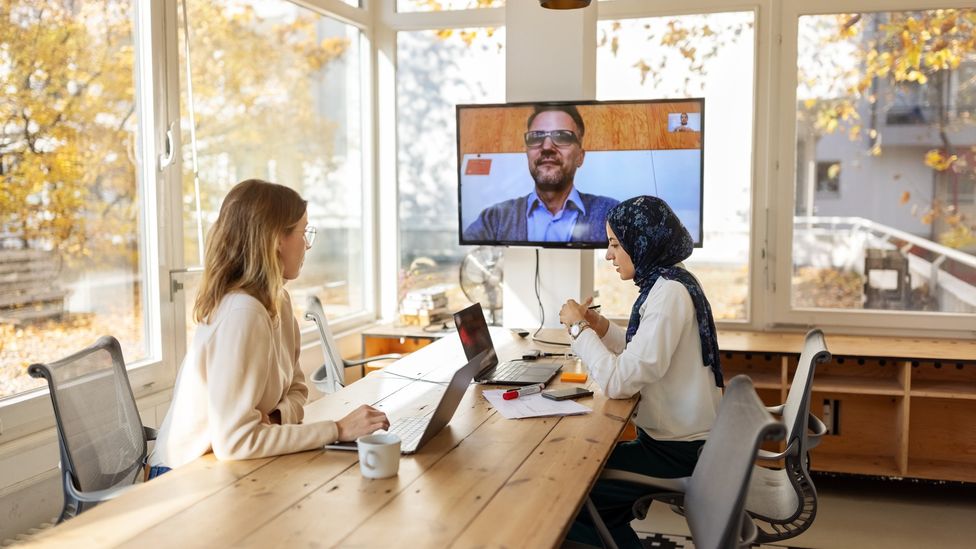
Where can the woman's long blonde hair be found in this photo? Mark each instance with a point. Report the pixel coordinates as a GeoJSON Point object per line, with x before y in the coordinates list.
{"type": "Point", "coordinates": [242, 246]}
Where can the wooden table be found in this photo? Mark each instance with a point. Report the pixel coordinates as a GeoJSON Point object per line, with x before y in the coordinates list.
{"type": "Point", "coordinates": [483, 481]}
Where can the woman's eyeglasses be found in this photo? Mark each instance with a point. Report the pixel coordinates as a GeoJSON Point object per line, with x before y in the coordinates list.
{"type": "Point", "coordinates": [309, 236]}
{"type": "Point", "coordinates": [560, 138]}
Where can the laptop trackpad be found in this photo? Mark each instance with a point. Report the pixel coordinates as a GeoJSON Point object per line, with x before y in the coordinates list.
{"type": "Point", "coordinates": [348, 446]}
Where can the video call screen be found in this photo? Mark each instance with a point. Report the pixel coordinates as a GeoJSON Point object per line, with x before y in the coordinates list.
{"type": "Point", "coordinates": [551, 183]}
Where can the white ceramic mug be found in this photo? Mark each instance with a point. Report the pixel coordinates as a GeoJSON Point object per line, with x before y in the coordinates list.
{"type": "Point", "coordinates": [379, 455]}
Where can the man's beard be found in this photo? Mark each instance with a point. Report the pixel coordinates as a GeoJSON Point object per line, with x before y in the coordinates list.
{"type": "Point", "coordinates": [551, 180]}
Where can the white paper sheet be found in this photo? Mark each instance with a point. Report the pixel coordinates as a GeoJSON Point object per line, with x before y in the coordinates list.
{"type": "Point", "coordinates": [533, 406]}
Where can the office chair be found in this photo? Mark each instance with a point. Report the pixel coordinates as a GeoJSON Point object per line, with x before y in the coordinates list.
{"type": "Point", "coordinates": [331, 376]}
{"type": "Point", "coordinates": [781, 501]}
{"type": "Point", "coordinates": [100, 436]}
{"type": "Point", "coordinates": [714, 496]}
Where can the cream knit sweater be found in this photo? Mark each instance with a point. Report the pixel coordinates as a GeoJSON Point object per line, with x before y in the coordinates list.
{"type": "Point", "coordinates": [241, 365]}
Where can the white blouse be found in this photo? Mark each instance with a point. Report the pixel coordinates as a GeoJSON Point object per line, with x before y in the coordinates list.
{"type": "Point", "coordinates": [663, 363]}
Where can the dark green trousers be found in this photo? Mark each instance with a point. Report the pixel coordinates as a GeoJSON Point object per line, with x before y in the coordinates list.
{"type": "Point", "coordinates": [615, 500]}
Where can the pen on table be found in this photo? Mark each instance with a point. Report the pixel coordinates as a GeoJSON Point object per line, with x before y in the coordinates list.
{"type": "Point", "coordinates": [522, 391]}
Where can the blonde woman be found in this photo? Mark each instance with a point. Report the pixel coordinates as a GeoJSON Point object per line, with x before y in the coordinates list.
{"type": "Point", "coordinates": [240, 392]}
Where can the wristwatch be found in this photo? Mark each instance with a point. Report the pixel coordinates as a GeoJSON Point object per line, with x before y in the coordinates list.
{"type": "Point", "coordinates": [577, 328]}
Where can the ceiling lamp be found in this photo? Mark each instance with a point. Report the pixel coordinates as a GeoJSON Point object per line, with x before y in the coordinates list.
{"type": "Point", "coordinates": [564, 4]}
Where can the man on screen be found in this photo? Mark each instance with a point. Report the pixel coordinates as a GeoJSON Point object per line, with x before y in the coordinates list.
{"type": "Point", "coordinates": [684, 127]}
{"type": "Point", "coordinates": [555, 211]}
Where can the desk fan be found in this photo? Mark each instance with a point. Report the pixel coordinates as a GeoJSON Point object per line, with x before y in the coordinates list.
{"type": "Point", "coordinates": [481, 279]}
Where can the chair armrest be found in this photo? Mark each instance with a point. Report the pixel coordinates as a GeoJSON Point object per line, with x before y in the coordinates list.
{"type": "Point", "coordinates": [776, 410]}
{"type": "Point", "coordinates": [359, 361]}
{"type": "Point", "coordinates": [766, 455]}
{"type": "Point", "coordinates": [819, 430]}
{"type": "Point", "coordinates": [97, 495]}
{"type": "Point", "coordinates": [665, 485]}
{"type": "Point", "coordinates": [149, 433]}
{"type": "Point", "coordinates": [675, 499]}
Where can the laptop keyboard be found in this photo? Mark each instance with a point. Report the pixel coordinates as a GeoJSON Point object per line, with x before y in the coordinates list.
{"type": "Point", "coordinates": [510, 371]}
{"type": "Point", "coordinates": [409, 429]}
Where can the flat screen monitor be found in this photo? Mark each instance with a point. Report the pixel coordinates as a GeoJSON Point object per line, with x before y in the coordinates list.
{"type": "Point", "coordinates": [545, 174]}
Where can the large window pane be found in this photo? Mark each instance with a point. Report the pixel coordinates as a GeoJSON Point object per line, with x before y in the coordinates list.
{"type": "Point", "coordinates": [441, 5]}
{"type": "Point", "coordinates": [435, 71]}
{"type": "Point", "coordinates": [70, 259]}
{"type": "Point", "coordinates": [886, 135]}
{"type": "Point", "coordinates": [276, 96]}
{"type": "Point", "coordinates": [708, 56]}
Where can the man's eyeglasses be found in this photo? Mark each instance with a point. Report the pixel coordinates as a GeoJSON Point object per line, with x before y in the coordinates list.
{"type": "Point", "coordinates": [560, 138]}
{"type": "Point", "coordinates": [309, 236]}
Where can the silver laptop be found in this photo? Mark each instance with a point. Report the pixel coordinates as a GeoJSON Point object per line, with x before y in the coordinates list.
{"type": "Point", "coordinates": [416, 431]}
{"type": "Point", "coordinates": [476, 339]}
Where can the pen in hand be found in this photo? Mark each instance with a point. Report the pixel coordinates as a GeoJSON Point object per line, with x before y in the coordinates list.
{"type": "Point", "coordinates": [522, 391]}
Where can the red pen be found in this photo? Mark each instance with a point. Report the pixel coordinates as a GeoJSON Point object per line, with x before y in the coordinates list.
{"type": "Point", "coordinates": [522, 391]}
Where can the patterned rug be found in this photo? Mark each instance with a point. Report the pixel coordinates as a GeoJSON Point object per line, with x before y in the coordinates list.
{"type": "Point", "coordinates": [668, 541]}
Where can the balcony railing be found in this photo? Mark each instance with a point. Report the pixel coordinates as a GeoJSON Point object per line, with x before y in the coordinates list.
{"type": "Point", "coordinates": [840, 242]}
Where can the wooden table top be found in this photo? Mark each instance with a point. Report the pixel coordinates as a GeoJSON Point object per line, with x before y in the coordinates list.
{"type": "Point", "coordinates": [483, 480]}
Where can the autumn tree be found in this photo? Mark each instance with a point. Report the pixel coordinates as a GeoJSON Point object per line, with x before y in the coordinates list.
{"type": "Point", "coordinates": [897, 54]}
{"type": "Point", "coordinates": [67, 139]}
{"type": "Point", "coordinates": [67, 124]}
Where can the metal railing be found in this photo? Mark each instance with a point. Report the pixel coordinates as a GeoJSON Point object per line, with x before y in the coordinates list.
{"type": "Point", "coordinates": [937, 257]}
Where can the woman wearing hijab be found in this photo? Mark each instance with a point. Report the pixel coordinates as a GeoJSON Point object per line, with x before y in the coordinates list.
{"type": "Point", "coordinates": [668, 354]}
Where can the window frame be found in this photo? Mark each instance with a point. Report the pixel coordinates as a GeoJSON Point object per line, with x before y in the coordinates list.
{"type": "Point", "coordinates": [30, 412]}
{"type": "Point", "coordinates": [782, 196]}
{"type": "Point", "coordinates": [764, 12]}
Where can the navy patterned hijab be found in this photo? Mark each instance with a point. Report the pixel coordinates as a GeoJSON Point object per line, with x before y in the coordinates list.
{"type": "Point", "coordinates": [656, 241]}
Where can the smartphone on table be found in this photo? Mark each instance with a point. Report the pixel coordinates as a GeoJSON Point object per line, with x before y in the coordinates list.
{"type": "Point", "coordinates": [565, 394]}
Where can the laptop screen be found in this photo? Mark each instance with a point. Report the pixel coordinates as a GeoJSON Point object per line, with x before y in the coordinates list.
{"type": "Point", "coordinates": [473, 331]}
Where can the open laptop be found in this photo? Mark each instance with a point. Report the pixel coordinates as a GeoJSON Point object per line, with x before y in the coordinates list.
{"type": "Point", "coordinates": [475, 339]}
{"type": "Point", "coordinates": [415, 431]}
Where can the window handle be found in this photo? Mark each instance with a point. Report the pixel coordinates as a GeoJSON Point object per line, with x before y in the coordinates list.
{"type": "Point", "coordinates": [166, 158]}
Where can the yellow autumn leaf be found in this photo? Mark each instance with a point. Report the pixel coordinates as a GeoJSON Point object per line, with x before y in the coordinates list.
{"type": "Point", "coordinates": [833, 171]}
{"type": "Point", "coordinates": [936, 160]}
{"type": "Point", "coordinates": [905, 197]}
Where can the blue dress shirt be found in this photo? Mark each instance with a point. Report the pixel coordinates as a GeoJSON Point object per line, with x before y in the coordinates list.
{"type": "Point", "coordinates": [545, 226]}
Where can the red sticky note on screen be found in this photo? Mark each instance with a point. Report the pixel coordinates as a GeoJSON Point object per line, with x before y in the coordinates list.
{"type": "Point", "coordinates": [478, 166]}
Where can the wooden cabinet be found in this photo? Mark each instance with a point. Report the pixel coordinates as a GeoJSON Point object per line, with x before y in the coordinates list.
{"type": "Point", "coordinates": [384, 339]}
{"type": "Point", "coordinates": [900, 407]}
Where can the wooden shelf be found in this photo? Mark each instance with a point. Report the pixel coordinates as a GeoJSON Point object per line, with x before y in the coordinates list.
{"type": "Point", "coordinates": [907, 402]}
{"type": "Point", "coordinates": [761, 380]}
{"type": "Point", "coordinates": [850, 463]}
{"type": "Point", "coordinates": [941, 470]}
{"type": "Point", "coordinates": [849, 345]}
{"type": "Point", "coordinates": [857, 386]}
{"type": "Point", "coordinates": [943, 389]}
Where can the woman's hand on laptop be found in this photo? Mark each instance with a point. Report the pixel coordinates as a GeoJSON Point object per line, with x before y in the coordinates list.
{"type": "Point", "coordinates": [361, 421]}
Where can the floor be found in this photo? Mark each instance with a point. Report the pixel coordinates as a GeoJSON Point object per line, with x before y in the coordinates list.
{"type": "Point", "coordinates": [871, 513]}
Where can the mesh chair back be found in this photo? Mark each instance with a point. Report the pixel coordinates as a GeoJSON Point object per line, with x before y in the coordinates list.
{"type": "Point", "coordinates": [332, 376]}
{"type": "Point", "coordinates": [99, 430]}
{"type": "Point", "coordinates": [714, 503]}
{"type": "Point", "coordinates": [796, 409]}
